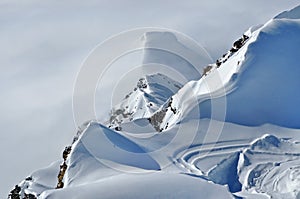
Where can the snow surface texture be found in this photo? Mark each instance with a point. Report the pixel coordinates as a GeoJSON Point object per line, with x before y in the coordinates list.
{"type": "Point", "coordinates": [257, 155]}
{"type": "Point", "coordinates": [264, 74]}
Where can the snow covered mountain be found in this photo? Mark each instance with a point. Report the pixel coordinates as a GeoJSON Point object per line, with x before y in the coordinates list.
{"type": "Point", "coordinates": [157, 146]}
{"type": "Point", "coordinates": [263, 74]}
{"type": "Point", "coordinates": [147, 97]}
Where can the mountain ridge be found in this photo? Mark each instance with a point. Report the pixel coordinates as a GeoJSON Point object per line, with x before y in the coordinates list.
{"type": "Point", "coordinates": [172, 158]}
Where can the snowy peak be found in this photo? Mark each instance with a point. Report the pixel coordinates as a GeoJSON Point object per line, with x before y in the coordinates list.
{"type": "Point", "coordinates": [150, 93]}
{"type": "Point", "coordinates": [291, 14]}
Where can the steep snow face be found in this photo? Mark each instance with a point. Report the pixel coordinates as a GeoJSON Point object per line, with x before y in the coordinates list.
{"type": "Point", "coordinates": [150, 93]}
{"type": "Point", "coordinates": [267, 87]}
{"type": "Point", "coordinates": [217, 80]}
{"type": "Point", "coordinates": [264, 76]}
{"type": "Point", "coordinates": [98, 147]}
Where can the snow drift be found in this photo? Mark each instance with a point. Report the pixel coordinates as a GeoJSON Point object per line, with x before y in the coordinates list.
{"type": "Point", "coordinates": [263, 74]}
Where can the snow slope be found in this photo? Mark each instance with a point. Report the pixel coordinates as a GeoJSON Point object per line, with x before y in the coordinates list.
{"type": "Point", "coordinates": [103, 161]}
{"type": "Point", "coordinates": [148, 186]}
{"type": "Point", "coordinates": [168, 156]}
{"type": "Point", "coordinates": [264, 77]}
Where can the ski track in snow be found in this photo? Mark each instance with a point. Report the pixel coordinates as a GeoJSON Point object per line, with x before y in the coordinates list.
{"type": "Point", "coordinates": [194, 155]}
{"type": "Point", "coordinates": [275, 173]}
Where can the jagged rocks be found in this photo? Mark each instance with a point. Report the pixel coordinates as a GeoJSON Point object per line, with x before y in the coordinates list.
{"type": "Point", "coordinates": [142, 83]}
{"type": "Point", "coordinates": [239, 43]}
{"type": "Point", "coordinates": [63, 168]}
{"type": "Point", "coordinates": [157, 119]}
{"type": "Point", "coordinates": [29, 178]}
{"type": "Point", "coordinates": [218, 63]}
{"type": "Point", "coordinates": [66, 152]}
{"type": "Point", "coordinates": [15, 193]}
{"type": "Point", "coordinates": [235, 47]}
{"type": "Point", "coordinates": [206, 70]}
{"type": "Point", "coordinates": [29, 196]}
{"type": "Point", "coordinates": [115, 116]}
{"type": "Point", "coordinates": [118, 128]}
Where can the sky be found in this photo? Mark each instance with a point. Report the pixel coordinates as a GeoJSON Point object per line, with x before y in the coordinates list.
{"type": "Point", "coordinates": [44, 43]}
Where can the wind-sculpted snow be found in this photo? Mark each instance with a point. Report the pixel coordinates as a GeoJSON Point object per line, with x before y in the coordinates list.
{"type": "Point", "coordinates": [258, 84]}
{"type": "Point", "coordinates": [274, 172]}
{"type": "Point", "coordinates": [268, 165]}
{"type": "Point", "coordinates": [217, 80]}
{"type": "Point", "coordinates": [267, 88]}
{"type": "Point", "coordinates": [146, 186]}
{"type": "Point", "coordinates": [106, 145]}
{"type": "Point", "coordinates": [38, 182]}
{"type": "Point", "coordinates": [103, 161]}
{"type": "Point", "coordinates": [232, 133]}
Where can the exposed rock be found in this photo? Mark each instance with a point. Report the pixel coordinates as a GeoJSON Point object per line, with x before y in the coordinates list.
{"type": "Point", "coordinates": [206, 70]}
{"type": "Point", "coordinates": [157, 119]}
{"type": "Point", "coordinates": [63, 167]}
{"type": "Point", "coordinates": [15, 193]}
